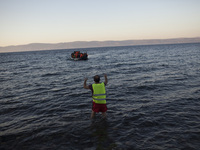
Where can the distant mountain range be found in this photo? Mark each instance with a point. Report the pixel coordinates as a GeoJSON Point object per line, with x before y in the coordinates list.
{"type": "Point", "coordinates": [90, 44]}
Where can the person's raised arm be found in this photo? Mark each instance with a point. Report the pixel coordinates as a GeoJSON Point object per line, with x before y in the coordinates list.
{"type": "Point", "coordinates": [106, 80]}
{"type": "Point", "coordinates": [85, 84]}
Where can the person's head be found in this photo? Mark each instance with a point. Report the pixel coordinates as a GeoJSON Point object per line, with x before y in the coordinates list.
{"type": "Point", "coordinates": [96, 79]}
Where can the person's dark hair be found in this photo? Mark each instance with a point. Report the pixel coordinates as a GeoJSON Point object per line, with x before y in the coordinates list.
{"type": "Point", "coordinates": [97, 78]}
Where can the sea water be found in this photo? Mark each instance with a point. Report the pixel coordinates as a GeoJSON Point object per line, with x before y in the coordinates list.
{"type": "Point", "coordinates": [153, 99]}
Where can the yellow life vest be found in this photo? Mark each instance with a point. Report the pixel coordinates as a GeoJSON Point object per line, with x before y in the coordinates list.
{"type": "Point", "coordinates": [99, 93]}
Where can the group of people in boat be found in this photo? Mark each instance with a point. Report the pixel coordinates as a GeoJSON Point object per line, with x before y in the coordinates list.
{"type": "Point", "coordinates": [77, 54]}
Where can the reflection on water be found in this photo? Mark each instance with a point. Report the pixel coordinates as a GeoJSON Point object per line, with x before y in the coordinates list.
{"type": "Point", "coordinates": [99, 128]}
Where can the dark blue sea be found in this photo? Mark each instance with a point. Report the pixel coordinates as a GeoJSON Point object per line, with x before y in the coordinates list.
{"type": "Point", "coordinates": [153, 99]}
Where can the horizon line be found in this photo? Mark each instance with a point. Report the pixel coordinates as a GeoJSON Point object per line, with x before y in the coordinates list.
{"type": "Point", "coordinates": [100, 41]}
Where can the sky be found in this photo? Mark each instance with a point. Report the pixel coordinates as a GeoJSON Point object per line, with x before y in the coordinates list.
{"type": "Point", "coordinates": [57, 21]}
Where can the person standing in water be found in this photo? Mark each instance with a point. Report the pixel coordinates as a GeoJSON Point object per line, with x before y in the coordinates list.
{"type": "Point", "coordinates": [98, 95]}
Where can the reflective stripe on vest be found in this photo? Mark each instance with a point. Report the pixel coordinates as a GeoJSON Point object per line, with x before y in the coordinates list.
{"type": "Point", "coordinates": [99, 93]}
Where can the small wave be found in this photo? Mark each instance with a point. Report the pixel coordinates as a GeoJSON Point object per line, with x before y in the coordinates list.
{"type": "Point", "coordinates": [51, 74]}
{"type": "Point", "coordinates": [149, 123]}
{"type": "Point", "coordinates": [146, 87]}
{"type": "Point", "coordinates": [8, 109]}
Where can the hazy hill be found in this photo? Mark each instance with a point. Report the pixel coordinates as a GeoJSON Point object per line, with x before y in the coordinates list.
{"type": "Point", "coordinates": [85, 44]}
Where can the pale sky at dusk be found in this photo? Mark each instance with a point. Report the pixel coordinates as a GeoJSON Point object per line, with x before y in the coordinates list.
{"type": "Point", "coordinates": [55, 21]}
